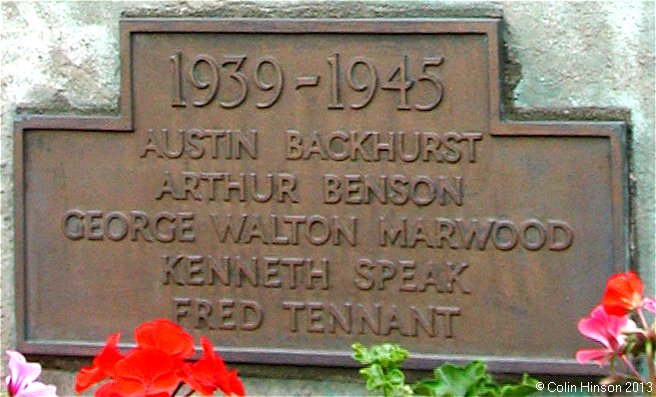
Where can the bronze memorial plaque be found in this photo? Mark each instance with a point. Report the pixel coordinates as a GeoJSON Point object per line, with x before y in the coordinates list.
{"type": "Point", "coordinates": [288, 188]}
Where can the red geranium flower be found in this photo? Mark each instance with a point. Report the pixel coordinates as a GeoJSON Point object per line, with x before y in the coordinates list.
{"type": "Point", "coordinates": [623, 293]}
{"type": "Point", "coordinates": [103, 365]}
{"type": "Point", "coordinates": [210, 373]}
{"type": "Point", "coordinates": [157, 366]}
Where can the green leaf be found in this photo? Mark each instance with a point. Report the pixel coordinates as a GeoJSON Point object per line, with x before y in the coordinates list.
{"type": "Point", "coordinates": [381, 368]}
{"type": "Point", "coordinates": [390, 355]}
{"type": "Point", "coordinates": [488, 389]}
{"type": "Point", "coordinates": [386, 354]}
{"type": "Point", "coordinates": [526, 387]}
{"type": "Point", "coordinates": [396, 377]}
{"type": "Point", "coordinates": [426, 387]}
{"type": "Point", "coordinates": [397, 355]}
{"type": "Point", "coordinates": [462, 381]}
{"type": "Point", "coordinates": [362, 354]}
{"type": "Point", "coordinates": [374, 375]}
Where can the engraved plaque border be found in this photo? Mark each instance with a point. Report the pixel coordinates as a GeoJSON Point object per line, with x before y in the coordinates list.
{"type": "Point", "coordinates": [615, 132]}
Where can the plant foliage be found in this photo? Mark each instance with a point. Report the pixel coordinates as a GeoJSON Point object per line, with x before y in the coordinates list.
{"type": "Point", "coordinates": [382, 372]}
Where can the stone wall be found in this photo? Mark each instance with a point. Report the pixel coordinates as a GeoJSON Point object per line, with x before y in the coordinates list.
{"type": "Point", "coordinates": [564, 60]}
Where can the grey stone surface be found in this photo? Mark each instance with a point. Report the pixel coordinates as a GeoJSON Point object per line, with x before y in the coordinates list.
{"type": "Point", "coordinates": [564, 60]}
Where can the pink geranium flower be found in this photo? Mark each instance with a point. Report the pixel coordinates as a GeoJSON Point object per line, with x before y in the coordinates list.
{"type": "Point", "coordinates": [21, 381]}
{"type": "Point", "coordinates": [605, 329]}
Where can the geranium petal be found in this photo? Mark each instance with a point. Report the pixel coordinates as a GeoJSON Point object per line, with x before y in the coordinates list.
{"type": "Point", "coordinates": [595, 326]}
{"type": "Point", "coordinates": [210, 373]}
{"type": "Point", "coordinates": [599, 356]}
{"type": "Point", "coordinates": [103, 365]}
{"type": "Point", "coordinates": [634, 283]}
{"type": "Point", "coordinates": [109, 355]}
{"type": "Point", "coordinates": [631, 328]}
{"type": "Point", "coordinates": [650, 304]}
{"type": "Point", "coordinates": [167, 336]}
{"type": "Point", "coordinates": [165, 381]}
{"type": "Point", "coordinates": [615, 303]}
{"type": "Point", "coordinates": [623, 293]}
{"type": "Point", "coordinates": [21, 373]}
{"type": "Point", "coordinates": [205, 375]}
{"type": "Point", "coordinates": [129, 387]}
{"type": "Point", "coordinates": [37, 389]}
{"type": "Point", "coordinates": [211, 356]}
{"type": "Point", "coordinates": [135, 365]}
{"type": "Point", "coordinates": [149, 370]}
{"type": "Point", "coordinates": [87, 377]}
{"type": "Point", "coordinates": [235, 385]}
{"type": "Point", "coordinates": [108, 389]}
{"type": "Point", "coordinates": [614, 326]}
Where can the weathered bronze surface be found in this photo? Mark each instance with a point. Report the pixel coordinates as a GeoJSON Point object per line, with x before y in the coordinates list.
{"type": "Point", "coordinates": [291, 187]}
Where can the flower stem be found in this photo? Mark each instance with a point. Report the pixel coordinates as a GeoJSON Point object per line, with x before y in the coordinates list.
{"type": "Point", "coordinates": [642, 319]}
{"type": "Point", "coordinates": [177, 389]}
{"type": "Point", "coordinates": [650, 360]}
{"type": "Point", "coordinates": [632, 368]}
